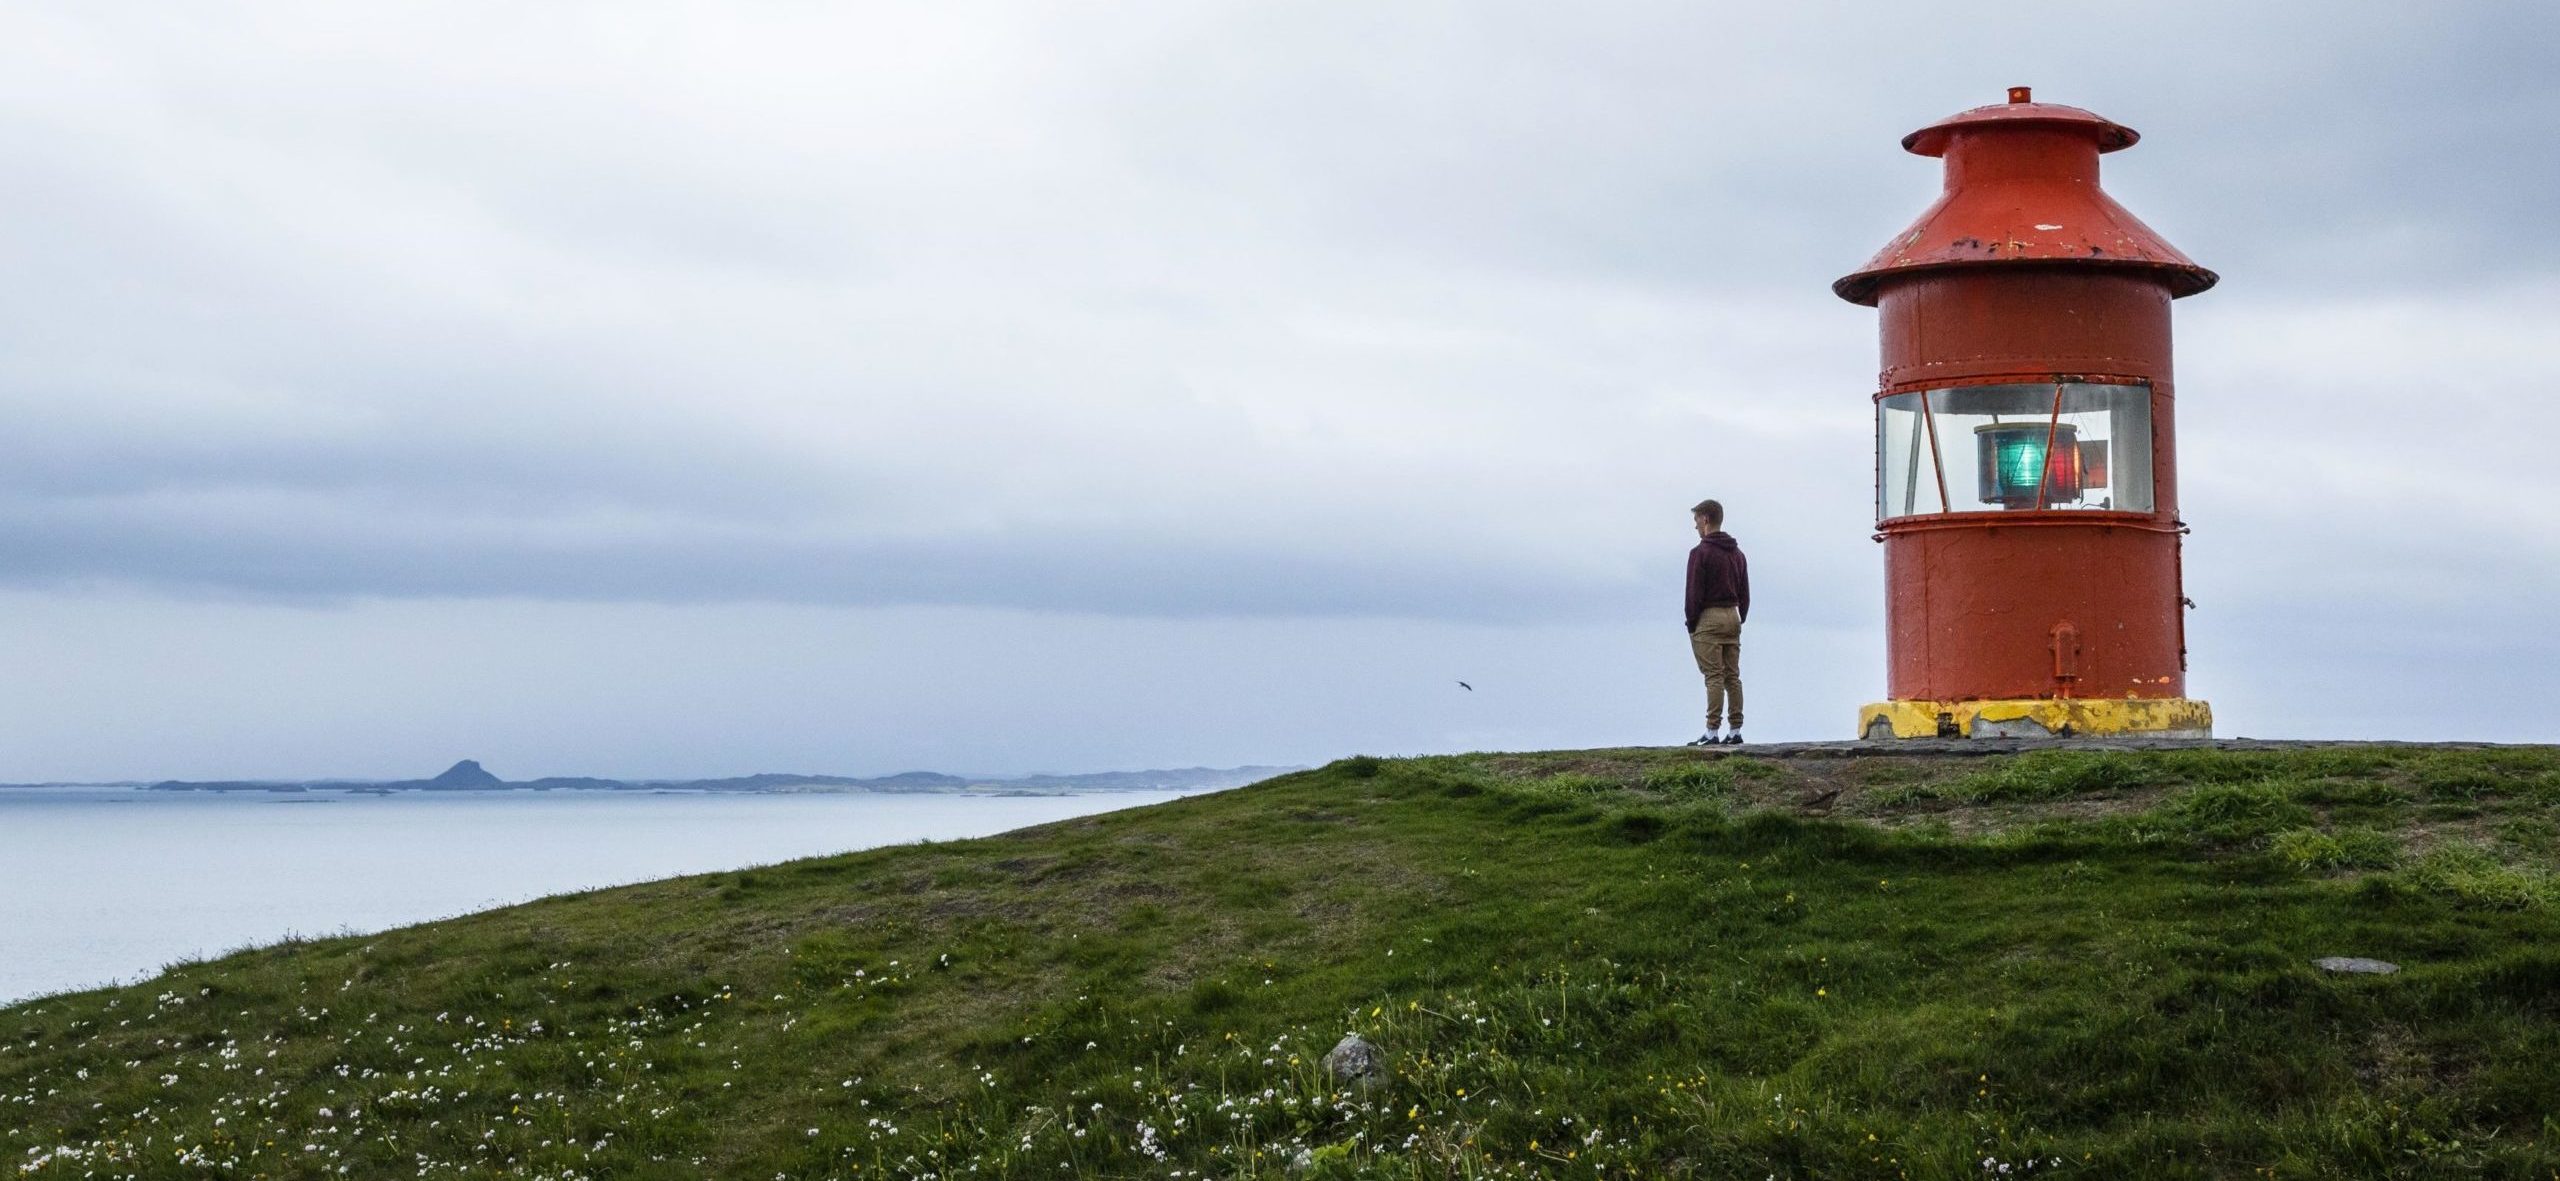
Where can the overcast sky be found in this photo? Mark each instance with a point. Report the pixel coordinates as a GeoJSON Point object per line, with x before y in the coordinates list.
{"type": "Point", "coordinates": [668, 389]}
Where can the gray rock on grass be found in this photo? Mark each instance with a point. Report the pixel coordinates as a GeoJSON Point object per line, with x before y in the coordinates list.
{"type": "Point", "coordinates": [1356, 1061]}
{"type": "Point", "coordinates": [2356, 965]}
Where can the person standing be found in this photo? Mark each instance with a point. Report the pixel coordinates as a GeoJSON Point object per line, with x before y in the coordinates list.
{"type": "Point", "coordinates": [1718, 602]}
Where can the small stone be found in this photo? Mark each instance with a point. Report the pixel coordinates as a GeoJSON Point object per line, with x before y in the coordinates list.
{"type": "Point", "coordinates": [1356, 1061]}
{"type": "Point", "coordinates": [2355, 964]}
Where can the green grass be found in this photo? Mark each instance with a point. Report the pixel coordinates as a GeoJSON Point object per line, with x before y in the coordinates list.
{"type": "Point", "coordinates": [2353, 848]}
{"type": "Point", "coordinates": [1581, 964]}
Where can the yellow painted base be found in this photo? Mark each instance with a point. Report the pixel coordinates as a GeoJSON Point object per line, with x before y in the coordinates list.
{"type": "Point", "coordinates": [2158, 717]}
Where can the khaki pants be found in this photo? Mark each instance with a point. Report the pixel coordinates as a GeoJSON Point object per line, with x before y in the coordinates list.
{"type": "Point", "coordinates": [1718, 644]}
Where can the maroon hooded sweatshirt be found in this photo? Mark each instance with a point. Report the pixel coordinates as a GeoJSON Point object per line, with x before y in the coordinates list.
{"type": "Point", "coordinates": [1718, 578]}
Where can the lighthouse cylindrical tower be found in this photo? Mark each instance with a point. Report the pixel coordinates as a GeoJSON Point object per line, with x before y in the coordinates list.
{"type": "Point", "coordinates": [2026, 472]}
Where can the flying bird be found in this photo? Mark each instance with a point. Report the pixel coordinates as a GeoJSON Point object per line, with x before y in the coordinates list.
{"type": "Point", "coordinates": [1469, 688]}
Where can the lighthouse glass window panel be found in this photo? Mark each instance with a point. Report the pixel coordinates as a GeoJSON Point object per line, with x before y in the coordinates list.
{"type": "Point", "coordinates": [2024, 447]}
{"type": "Point", "coordinates": [1906, 477]}
{"type": "Point", "coordinates": [2111, 427]}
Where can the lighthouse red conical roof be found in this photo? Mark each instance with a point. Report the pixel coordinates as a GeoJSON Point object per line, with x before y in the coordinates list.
{"type": "Point", "coordinates": [2022, 187]}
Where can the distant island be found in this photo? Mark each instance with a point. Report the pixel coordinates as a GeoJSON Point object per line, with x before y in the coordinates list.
{"type": "Point", "coordinates": [469, 775]}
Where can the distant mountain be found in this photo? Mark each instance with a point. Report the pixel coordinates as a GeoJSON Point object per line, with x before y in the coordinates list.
{"type": "Point", "coordinates": [469, 775]}
{"type": "Point", "coordinates": [1186, 777]}
{"type": "Point", "coordinates": [921, 779]}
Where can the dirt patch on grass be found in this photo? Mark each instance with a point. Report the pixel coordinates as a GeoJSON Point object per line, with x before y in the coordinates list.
{"type": "Point", "coordinates": [1985, 819]}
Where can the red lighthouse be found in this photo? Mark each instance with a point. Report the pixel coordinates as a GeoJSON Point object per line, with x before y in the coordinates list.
{"type": "Point", "coordinates": [2026, 472]}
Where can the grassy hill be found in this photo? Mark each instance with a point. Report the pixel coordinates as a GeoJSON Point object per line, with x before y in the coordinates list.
{"type": "Point", "coordinates": [1588, 964]}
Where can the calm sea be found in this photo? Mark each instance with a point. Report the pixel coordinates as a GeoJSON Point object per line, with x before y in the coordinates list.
{"type": "Point", "coordinates": [101, 885]}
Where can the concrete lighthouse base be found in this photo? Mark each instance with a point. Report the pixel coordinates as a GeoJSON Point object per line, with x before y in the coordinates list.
{"type": "Point", "coordinates": [2038, 717]}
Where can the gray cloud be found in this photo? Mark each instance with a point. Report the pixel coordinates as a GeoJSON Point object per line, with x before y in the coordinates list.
{"type": "Point", "coordinates": [861, 309]}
